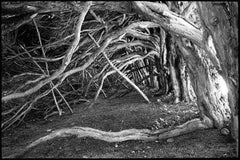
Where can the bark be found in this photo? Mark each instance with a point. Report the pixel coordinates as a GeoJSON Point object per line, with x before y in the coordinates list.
{"type": "Point", "coordinates": [147, 68]}
{"type": "Point", "coordinates": [173, 72]}
{"type": "Point", "coordinates": [183, 78]}
{"type": "Point", "coordinates": [158, 68]}
{"type": "Point", "coordinates": [169, 20]}
{"type": "Point", "coordinates": [191, 93]}
{"type": "Point", "coordinates": [175, 84]}
{"type": "Point", "coordinates": [151, 71]}
{"type": "Point", "coordinates": [208, 102]}
{"type": "Point", "coordinates": [221, 22]}
{"type": "Point", "coordinates": [217, 24]}
{"type": "Point", "coordinates": [124, 135]}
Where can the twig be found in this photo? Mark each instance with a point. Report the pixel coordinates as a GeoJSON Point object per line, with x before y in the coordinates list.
{"type": "Point", "coordinates": [51, 83]}
{"type": "Point", "coordinates": [126, 78]}
{"type": "Point", "coordinates": [23, 74]}
{"type": "Point", "coordinates": [19, 23]}
{"type": "Point", "coordinates": [63, 98]}
{"type": "Point", "coordinates": [11, 120]}
{"type": "Point", "coordinates": [100, 88]}
{"type": "Point", "coordinates": [95, 83]}
{"type": "Point", "coordinates": [66, 61]}
{"type": "Point", "coordinates": [113, 71]}
{"type": "Point", "coordinates": [96, 17]}
{"type": "Point", "coordinates": [45, 46]}
{"type": "Point", "coordinates": [55, 100]}
{"type": "Point", "coordinates": [40, 41]}
{"type": "Point", "coordinates": [32, 59]}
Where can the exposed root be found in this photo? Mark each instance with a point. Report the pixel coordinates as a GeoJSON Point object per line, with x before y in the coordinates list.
{"type": "Point", "coordinates": [129, 134]}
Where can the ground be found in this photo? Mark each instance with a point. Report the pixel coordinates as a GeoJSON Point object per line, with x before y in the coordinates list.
{"type": "Point", "coordinates": [116, 114]}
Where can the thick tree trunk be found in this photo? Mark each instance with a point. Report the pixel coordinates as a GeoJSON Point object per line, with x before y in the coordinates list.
{"type": "Point", "coordinates": [201, 68]}
{"type": "Point", "coordinates": [221, 22]}
{"type": "Point", "coordinates": [208, 101]}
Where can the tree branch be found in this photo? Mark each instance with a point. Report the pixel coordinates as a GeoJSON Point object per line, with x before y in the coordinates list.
{"type": "Point", "coordinates": [66, 60]}
{"type": "Point", "coordinates": [169, 20]}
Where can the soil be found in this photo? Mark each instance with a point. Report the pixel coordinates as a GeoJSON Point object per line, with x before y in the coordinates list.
{"type": "Point", "coordinates": [116, 114]}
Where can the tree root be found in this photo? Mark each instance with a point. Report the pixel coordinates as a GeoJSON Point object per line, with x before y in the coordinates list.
{"type": "Point", "coordinates": [129, 134]}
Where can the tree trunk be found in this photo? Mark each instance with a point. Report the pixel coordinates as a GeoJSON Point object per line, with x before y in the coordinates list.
{"type": "Point", "coordinates": [221, 22]}
{"type": "Point", "coordinates": [173, 72]}
{"type": "Point", "coordinates": [183, 78]}
{"type": "Point", "coordinates": [191, 93]}
{"type": "Point", "coordinates": [207, 98]}
{"type": "Point", "coordinates": [151, 71]}
{"type": "Point", "coordinates": [158, 68]}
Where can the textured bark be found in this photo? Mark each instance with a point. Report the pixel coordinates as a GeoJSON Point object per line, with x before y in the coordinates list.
{"type": "Point", "coordinates": [124, 135]}
{"type": "Point", "coordinates": [191, 93]}
{"type": "Point", "coordinates": [172, 68]}
{"type": "Point", "coordinates": [150, 69]}
{"type": "Point", "coordinates": [175, 84]}
{"type": "Point", "coordinates": [158, 68]}
{"type": "Point", "coordinates": [183, 78]}
{"type": "Point", "coordinates": [169, 20]}
{"type": "Point", "coordinates": [221, 22]}
{"type": "Point", "coordinates": [209, 104]}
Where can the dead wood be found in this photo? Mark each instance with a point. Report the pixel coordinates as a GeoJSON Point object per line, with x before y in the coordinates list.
{"type": "Point", "coordinates": [117, 34]}
{"type": "Point", "coordinates": [124, 135]}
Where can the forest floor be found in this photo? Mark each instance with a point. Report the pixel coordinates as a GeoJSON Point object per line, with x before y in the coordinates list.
{"type": "Point", "coordinates": [130, 111]}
